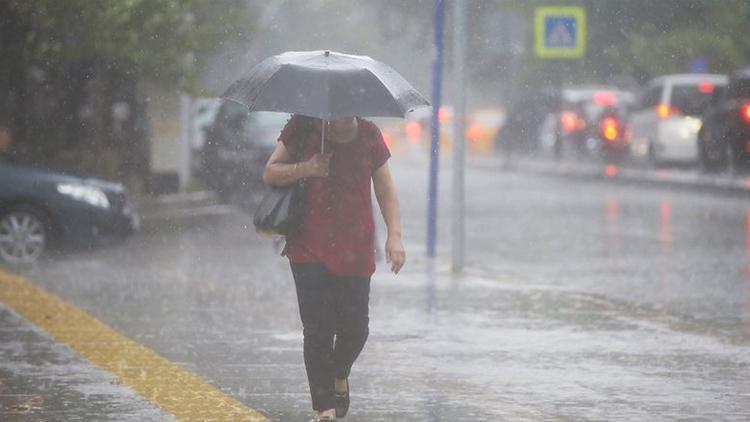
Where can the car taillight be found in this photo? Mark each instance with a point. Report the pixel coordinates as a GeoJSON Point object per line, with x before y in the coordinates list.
{"type": "Point", "coordinates": [444, 115]}
{"type": "Point", "coordinates": [388, 139]}
{"type": "Point", "coordinates": [610, 128]}
{"type": "Point", "coordinates": [475, 132]}
{"type": "Point", "coordinates": [568, 121]}
{"type": "Point", "coordinates": [745, 113]}
{"type": "Point", "coordinates": [665, 111]}
{"type": "Point", "coordinates": [628, 133]}
{"type": "Point", "coordinates": [413, 132]}
{"type": "Point", "coordinates": [605, 98]}
{"type": "Point", "coordinates": [706, 88]}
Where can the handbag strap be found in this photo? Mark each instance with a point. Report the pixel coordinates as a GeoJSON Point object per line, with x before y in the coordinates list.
{"type": "Point", "coordinates": [306, 124]}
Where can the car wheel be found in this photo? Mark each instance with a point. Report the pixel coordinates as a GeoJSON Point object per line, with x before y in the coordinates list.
{"type": "Point", "coordinates": [616, 157]}
{"type": "Point", "coordinates": [733, 159]}
{"type": "Point", "coordinates": [653, 158]}
{"type": "Point", "coordinates": [557, 149]}
{"type": "Point", "coordinates": [707, 160]}
{"type": "Point", "coordinates": [712, 156]}
{"type": "Point", "coordinates": [24, 235]}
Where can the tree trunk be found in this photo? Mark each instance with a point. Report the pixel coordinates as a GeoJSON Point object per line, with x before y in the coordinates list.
{"type": "Point", "coordinates": [99, 153]}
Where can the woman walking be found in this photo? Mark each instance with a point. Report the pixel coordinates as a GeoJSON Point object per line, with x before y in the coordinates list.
{"type": "Point", "coordinates": [333, 258]}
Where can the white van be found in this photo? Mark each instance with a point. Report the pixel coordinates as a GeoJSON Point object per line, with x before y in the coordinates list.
{"type": "Point", "coordinates": [666, 119]}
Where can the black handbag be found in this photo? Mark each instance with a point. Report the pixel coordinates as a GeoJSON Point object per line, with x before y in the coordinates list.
{"type": "Point", "coordinates": [282, 208]}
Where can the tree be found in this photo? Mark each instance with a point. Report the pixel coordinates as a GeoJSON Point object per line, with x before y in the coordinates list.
{"type": "Point", "coordinates": [666, 42]}
{"type": "Point", "coordinates": [74, 70]}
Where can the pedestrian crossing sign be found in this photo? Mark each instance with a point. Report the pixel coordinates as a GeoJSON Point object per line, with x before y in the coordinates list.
{"type": "Point", "coordinates": [559, 32]}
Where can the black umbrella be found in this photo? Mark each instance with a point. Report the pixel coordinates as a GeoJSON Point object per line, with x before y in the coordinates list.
{"type": "Point", "coordinates": [326, 85]}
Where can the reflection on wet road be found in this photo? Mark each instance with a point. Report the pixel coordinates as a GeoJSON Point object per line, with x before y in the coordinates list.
{"type": "Point", "coordinates": [678, 251]}
{"type": "Point", "coordinates": [747, 273]}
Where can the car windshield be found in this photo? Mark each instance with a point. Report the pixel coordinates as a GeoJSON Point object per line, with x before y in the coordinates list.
{"type": "Point", "coordinates": [592, 104]}
{"type": "Point", "coordinates": [267, 120]}
{"type": "Point", "coordinates": [691, 100]}
{"type": "Point", "coordinates": [240, 126]}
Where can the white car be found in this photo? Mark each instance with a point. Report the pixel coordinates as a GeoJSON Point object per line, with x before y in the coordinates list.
{"type": "Point", "coordinates": [666, 119]}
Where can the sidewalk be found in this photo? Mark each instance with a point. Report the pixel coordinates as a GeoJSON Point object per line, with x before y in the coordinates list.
{"type": "Point", "coordinates": [42, 380]}
{"type": "Point", "coordinates": [461, 347]}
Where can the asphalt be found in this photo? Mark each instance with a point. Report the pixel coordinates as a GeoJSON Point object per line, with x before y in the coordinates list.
{"type": "Point", "coordinates": [198, 288]}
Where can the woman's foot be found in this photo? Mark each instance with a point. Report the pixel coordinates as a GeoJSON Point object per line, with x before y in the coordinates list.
{"type": "Point", "coordinates": [326, 416]}
{"type": "Point", "coordinates": [342, 397]}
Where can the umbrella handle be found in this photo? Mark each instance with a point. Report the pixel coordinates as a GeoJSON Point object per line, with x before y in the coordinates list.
{"type": "Point", "coordinates": [323, 137]}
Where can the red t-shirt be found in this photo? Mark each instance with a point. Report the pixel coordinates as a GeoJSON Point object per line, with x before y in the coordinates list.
{"type": "Point", "coordinates": [338, 229]}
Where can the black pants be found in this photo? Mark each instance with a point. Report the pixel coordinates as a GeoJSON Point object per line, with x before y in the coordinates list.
{"type": "Point", "coordinates": [334, 312]}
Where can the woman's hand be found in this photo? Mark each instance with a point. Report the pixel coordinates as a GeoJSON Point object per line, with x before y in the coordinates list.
{"type": "Point", "coordinates": [319, 165]}
{"type": "Point", "coordinates": [394, 253]}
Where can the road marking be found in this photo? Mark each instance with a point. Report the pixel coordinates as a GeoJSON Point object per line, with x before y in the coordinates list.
{"type": "Point", "coordinates": [173, 389]}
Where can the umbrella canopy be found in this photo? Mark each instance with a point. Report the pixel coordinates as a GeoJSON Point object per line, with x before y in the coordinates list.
{"type": "Point", "coordinates": [326, 85]}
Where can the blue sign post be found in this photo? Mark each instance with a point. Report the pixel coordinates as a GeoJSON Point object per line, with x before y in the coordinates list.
{"type": "Point", "coordinates": [437, 78]}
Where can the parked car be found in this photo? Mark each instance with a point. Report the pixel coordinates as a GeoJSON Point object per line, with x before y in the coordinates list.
{"type": "Point", "coordinates": [667, 118]}
{"type": "Point", "coordinates": [592, 121]}
{"type": "Point", "coordinates": [483, 127]}
{"type": "Point", "coordinates": [204, 110]}
{"type": "Point", "coordinates": [417, 127]}
{"type": "Point", "coordinates": [547, 133]}
{"type": "Point", "coordinates": [40, 208]}
{"type": "Point", "coordinates": [237, 147]}
{"type": "Point", "coordinates": [525, 116]}
{"type": "Point", "coordinates": [724, 138]}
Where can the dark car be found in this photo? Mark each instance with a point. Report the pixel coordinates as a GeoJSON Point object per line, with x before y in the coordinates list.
{"type": "Point", "coordinates": [592, 121]}
{"type": "Point", "coordinates": [724, 138]}
{"type": "Point", "coordinates": [39, 208]}
{"type": "Point", "coordinates": [237, 147]}
{"type": "Point", "coordinates": [524, 120]}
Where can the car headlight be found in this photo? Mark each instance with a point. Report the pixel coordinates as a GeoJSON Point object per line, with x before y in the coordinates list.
{"type": "Point", "coordinates": [88, 194]}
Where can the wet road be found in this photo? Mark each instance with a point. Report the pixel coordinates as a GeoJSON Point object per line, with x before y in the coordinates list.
{"type": "Point", "coordinates": [677, 252]}
{"type": "Point", "coordinates": [583, 301]}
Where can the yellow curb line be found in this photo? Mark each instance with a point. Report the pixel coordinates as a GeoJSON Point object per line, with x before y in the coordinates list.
{"type": "Point", "coordinates": [173, 389]}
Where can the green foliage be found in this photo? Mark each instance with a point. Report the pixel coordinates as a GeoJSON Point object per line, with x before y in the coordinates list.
{"type": "Point", "coordinates": [158, 40]}
{"type": "Point", "coordinates": [711, 30]}
{"type": "Point", "coordinates": [67, 65]}
{"type": "Point", "coordinates": [672, 52]}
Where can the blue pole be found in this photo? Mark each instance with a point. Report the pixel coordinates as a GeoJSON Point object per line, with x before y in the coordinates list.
{"type": "Point", "coordinates": [437, 78]}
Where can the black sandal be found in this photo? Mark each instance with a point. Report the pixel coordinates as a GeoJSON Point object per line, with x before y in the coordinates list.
{"type": "Point", "coordinates": [342, 402]}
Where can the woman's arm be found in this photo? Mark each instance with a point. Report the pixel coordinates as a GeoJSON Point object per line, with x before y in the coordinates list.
{"type": "Point", "coordinates": [280, 171]}
{"type": "Point", "coordinates": [385, 192]}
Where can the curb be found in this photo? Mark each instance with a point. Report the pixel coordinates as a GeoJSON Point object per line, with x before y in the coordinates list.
{"type": "Point", "coordinates": [179, 206]}
{"type": "Point", "coordinates": [180, 199]}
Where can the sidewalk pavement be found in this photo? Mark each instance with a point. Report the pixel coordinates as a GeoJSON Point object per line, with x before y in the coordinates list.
{"type": "Point", "coordinates": [445, 347]}
{"type": "Point", "coordinates": [43, 380]}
